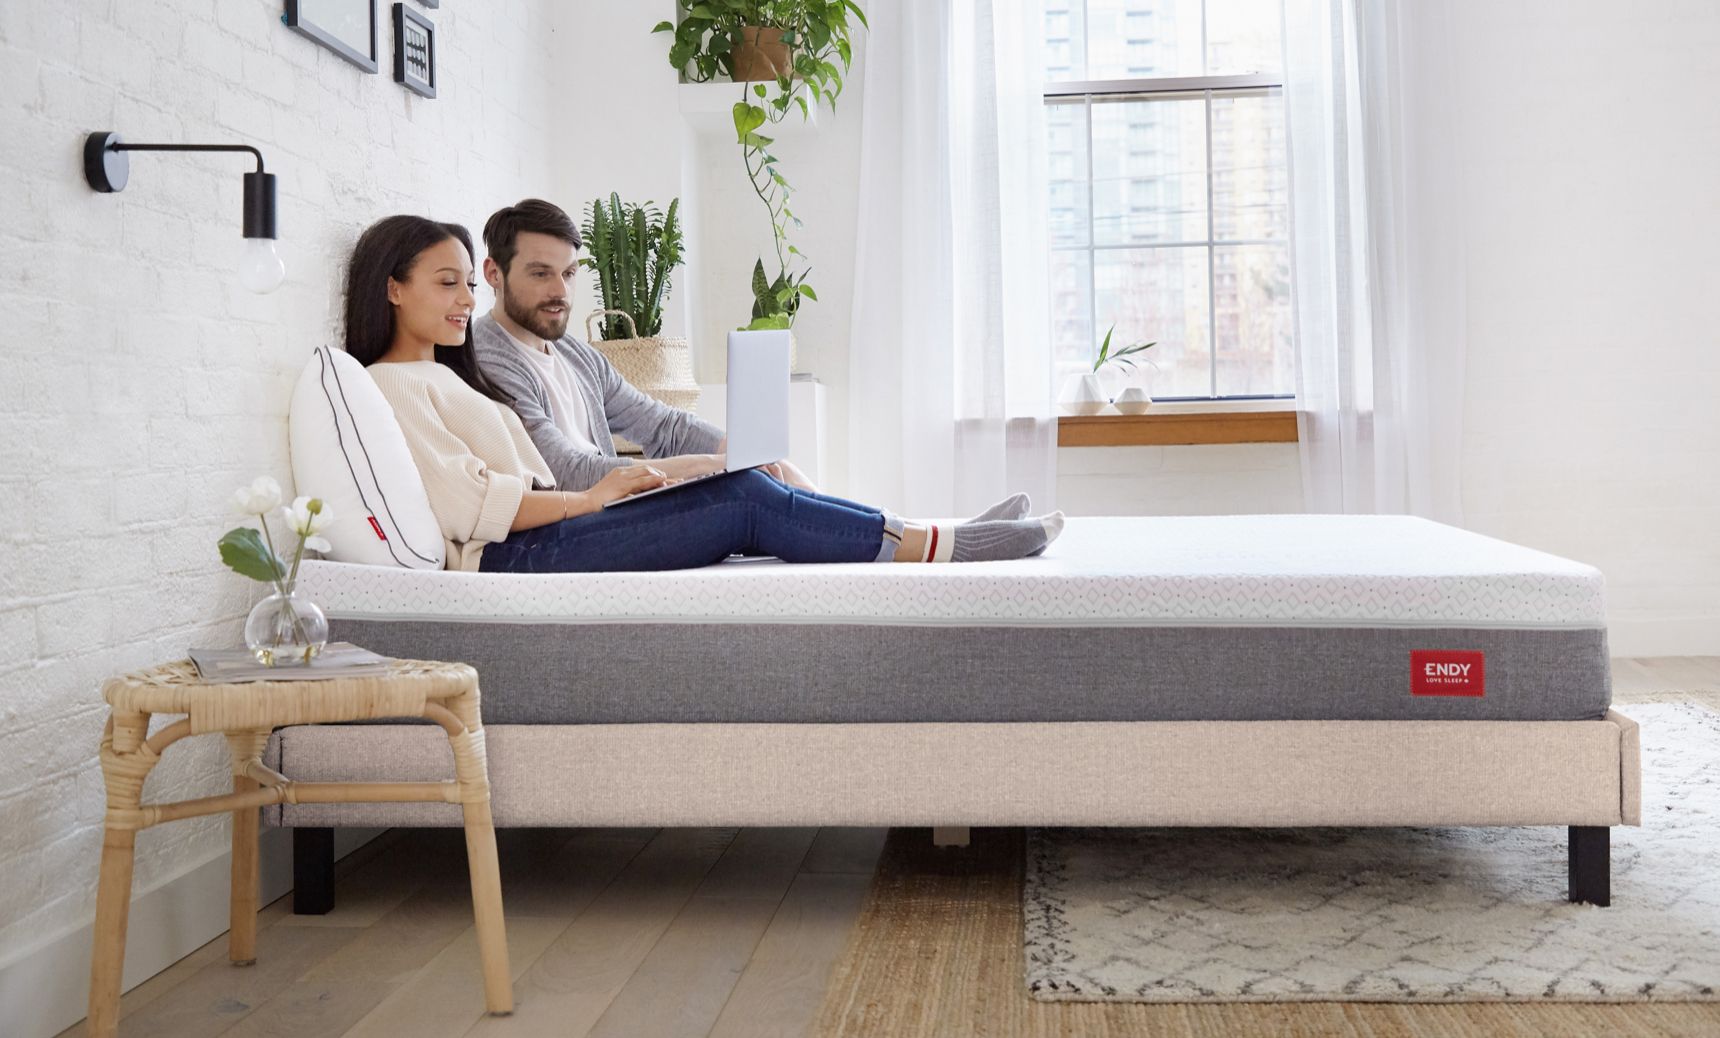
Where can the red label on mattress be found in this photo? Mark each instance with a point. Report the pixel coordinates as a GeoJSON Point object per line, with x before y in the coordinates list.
{"type": "Point", "coordinates": [374, 525]}
{"type": "Point", "coordinates": [1447, 672]}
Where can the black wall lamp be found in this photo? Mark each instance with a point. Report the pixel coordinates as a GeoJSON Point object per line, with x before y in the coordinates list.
{"type": "Point", "coordinates": [107, 168]}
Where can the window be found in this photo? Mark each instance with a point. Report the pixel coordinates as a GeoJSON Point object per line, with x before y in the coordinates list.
{"type": "Point", "coordinates": [1169, 195]}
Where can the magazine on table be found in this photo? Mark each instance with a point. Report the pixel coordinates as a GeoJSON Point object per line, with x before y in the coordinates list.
{"type": "Point", "coordinates": [337, 660]}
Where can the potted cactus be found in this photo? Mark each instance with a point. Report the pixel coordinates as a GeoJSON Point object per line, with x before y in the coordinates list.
{"type": "Point", "coordinates": [634, 250]}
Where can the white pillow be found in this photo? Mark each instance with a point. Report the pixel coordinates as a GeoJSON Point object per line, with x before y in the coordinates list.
{"type": "Point", "coordinates": [348, 450]}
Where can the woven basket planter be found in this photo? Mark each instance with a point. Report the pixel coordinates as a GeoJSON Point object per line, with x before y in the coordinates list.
{"type": "Point", "coordinates": [659, 367]}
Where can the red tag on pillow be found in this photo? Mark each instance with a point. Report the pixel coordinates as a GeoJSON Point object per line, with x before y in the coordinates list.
{"type": "Point", "coordinates": [374, 525]}
{"type": "Point", "coordinates": [1447, 672]}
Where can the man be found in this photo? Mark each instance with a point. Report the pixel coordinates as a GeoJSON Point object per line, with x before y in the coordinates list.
{"type": "Point", "coordinates": [568, 396]}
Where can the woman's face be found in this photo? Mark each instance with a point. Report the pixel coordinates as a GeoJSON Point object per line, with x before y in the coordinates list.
{"type": "Point", "coordinates": [434, 303]}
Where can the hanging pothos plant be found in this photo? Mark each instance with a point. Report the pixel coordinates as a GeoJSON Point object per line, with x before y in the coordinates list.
{"type": "Point", "coordinates": [715, 36]}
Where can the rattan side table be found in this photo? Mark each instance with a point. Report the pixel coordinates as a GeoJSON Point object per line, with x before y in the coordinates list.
{"type": "Point", "coordinates": [446, 693]}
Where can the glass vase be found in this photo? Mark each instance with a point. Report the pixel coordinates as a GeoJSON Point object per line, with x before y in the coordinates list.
{"type": "Point", "coordinates": [286, 630]}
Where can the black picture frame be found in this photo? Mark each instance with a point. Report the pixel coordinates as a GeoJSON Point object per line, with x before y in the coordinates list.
{"type": "Point", "coordinates": [414, 51]}
{"type": "Point", "coordinates": [343, 34]}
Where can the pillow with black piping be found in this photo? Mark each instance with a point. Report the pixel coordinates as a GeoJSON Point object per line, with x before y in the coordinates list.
{"type": "Point", "coordinates": [348, 450]}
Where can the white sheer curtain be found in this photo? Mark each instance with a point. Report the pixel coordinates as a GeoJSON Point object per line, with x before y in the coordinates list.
{"type": "Point", "coordinates": [1376, 201]}
{"type": "Point", "coordinates": [951, 397]}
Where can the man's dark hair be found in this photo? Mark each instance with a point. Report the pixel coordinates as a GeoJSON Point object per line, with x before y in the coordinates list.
{"type": "Point", "coordinates": [531, 216]}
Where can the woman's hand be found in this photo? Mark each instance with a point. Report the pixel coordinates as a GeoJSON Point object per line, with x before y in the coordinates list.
{"type": "Point", "coordinates": [625, 482]}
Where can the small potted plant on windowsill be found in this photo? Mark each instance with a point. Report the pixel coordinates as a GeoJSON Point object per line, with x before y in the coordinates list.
{"type": "Point", "coordinates": [1085, 393]}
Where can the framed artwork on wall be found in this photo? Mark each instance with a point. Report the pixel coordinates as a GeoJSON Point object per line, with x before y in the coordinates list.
{"type": "Point", "coordinates": [347, 27]}
{"type": "Point", "coordinates": [414, 51]}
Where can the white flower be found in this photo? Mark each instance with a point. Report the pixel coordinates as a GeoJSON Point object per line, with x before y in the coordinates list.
{"type": "Point", "coordinates": [260, 498]}
{"type": "Point", "coordinates": [321, 544]}
{"type": "Point", "coordinates": [308, 516]}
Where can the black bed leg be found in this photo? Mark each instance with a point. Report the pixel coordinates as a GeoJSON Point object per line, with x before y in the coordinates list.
{"type": "Point", "coordinates": [313, 871]}
{"type": "Point", "coordinates": [1591, 864]}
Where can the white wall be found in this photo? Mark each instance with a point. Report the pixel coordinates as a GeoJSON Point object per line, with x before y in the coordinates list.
{"type": "Point", "coordinates": [141, 384]}
{"type": "Point", "coordinates": [1592, 140]}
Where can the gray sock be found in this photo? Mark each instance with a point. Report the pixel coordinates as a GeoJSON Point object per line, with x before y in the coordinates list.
{"type": "Point", "coordinates": [1015, 506]}
{"type": "Point", "coordinates": [1004, 538]}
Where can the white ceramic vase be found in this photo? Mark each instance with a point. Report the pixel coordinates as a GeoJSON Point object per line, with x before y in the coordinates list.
{"type": "Point", "coordinates": [1083, 394]}
{"type": "Point", "coordinates": [1133, 400]}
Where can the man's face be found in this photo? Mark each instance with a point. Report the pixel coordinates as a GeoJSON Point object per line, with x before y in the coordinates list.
{"type": "Point", "coordinates": [538, 284]}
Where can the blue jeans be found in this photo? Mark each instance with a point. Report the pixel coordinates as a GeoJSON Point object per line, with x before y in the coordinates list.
{"type": "Point", "coordinates": [746, 513]}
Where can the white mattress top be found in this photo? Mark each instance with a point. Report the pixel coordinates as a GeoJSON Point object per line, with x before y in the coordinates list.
{"type": "Point", "coordinates": [1353, 570]}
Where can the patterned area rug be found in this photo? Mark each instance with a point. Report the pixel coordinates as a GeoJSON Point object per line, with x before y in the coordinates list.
{"type": "Point", "coordinates": [1390, 915]}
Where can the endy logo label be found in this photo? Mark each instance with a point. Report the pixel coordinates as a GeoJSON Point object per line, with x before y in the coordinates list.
{"type": "Point", "coordinates": [1447, 672]}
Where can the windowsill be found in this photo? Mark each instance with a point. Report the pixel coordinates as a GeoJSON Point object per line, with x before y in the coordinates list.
{"type": "Point", "coordinates": [1175, 423]}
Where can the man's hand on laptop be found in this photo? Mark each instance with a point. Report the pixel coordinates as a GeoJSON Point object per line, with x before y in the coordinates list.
{"type": "Point", "coordinates": [683, 466]}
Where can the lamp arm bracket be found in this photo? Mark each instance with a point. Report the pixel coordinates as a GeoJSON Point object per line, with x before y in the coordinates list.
{"type": "Point", "coordinates": [127, 146]}
{"type": "Point", "coordinates": [107, 169]}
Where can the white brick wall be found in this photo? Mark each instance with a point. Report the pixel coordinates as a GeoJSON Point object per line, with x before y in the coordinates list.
{"type": "Point", "coordinates": [140, 384]}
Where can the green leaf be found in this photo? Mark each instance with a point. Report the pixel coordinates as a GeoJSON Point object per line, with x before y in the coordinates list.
{"type": "Point", "coordinates": [244, 552]}
{"type": "Point", "coordinates": [758, 88]}
{"type": "Point", "coordinates": [747, 119]}
{"type": "Point", "coordinates": [663, 27]}
{"type": "Point", "coordinates": [771, 322]}
{"type": "Point", "coordinates": [1104, 349]}
{"type": "Point", "coordinates": [806, 290]}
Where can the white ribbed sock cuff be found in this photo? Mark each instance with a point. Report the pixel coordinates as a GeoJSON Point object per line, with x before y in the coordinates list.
{"type": "Point", "coordinates": [940, 543]}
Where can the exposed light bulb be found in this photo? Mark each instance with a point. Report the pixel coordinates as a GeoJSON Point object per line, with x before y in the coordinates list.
{"type": "Point", "coordinates": [260, 269]}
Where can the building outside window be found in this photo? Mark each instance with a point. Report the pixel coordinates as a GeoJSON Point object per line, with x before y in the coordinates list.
{"type": "Point", "coordinates": [1169, 191]}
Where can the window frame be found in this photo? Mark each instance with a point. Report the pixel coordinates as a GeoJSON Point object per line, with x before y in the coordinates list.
{"type": "Point", "coordinates": [1084, 92]}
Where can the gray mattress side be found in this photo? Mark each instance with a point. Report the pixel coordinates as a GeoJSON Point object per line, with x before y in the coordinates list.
{"type": "Point", "coordinates": [817, 673]}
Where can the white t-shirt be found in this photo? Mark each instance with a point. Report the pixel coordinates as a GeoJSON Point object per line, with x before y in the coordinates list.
{"type": "Point", "coordinates": [566, 404]}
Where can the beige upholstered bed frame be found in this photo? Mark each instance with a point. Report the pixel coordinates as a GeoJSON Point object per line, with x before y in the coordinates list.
{"type": "Point", "coordinates": [1581, 774]}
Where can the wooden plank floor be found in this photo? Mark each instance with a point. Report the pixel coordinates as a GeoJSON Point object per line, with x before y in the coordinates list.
{"type": "Point", "coordinates": [611, 931]}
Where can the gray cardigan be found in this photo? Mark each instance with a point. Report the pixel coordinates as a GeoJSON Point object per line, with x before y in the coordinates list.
{"type": "Point", "coordinates": [663, 431]}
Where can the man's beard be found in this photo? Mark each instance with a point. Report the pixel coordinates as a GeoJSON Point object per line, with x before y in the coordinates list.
{"type": "Point", "coordinates": [549, 327]}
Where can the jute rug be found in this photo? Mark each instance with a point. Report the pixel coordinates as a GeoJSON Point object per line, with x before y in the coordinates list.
{"type": "Point", "coordinates": [1390, 915]}
{"type": "Point", "coordinates": [938, 951]}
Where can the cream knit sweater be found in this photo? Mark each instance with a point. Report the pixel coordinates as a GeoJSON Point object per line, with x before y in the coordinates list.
{"type": "Point", "coordinates": [473, 454]}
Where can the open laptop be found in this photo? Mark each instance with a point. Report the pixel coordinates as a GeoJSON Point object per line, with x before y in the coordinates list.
{"type": "Point", "coordinates": [757, 408]}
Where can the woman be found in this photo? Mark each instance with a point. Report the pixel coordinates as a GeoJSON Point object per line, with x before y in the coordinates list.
{"type": "Point", "coordinates": [408, 308]}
